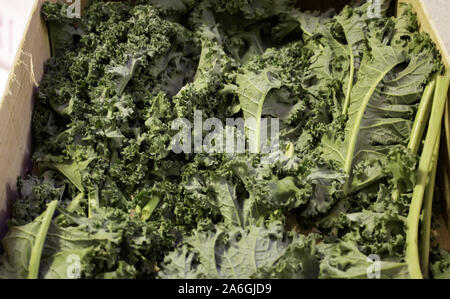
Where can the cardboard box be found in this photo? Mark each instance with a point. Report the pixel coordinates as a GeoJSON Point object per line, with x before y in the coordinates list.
{"type": "Point", "coordinates": [16, 105]}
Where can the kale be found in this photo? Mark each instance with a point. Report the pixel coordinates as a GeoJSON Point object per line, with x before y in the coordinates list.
{"type": "Point", "coordinates": [109, 197]}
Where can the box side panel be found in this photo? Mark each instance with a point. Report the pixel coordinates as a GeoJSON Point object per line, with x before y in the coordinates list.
{"type": "Point", "coordinates": [16, 108]}
{"type": "Point", "coordinates": [439, 12]}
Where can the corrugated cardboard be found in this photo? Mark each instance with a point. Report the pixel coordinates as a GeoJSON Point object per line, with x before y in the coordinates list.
{"type": "Point", "coordinates": [439, 13]}
{"type": "Point", "coordinates": [16, 107]}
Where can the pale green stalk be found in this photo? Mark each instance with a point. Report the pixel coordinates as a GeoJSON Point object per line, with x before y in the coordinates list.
{"type": "Point", "coordinates": [36, 251]}
{"type": "Point", "coordinates": [355, 129]}
{"type": "Point", "coordinates": [427, 211]}
{"type": "Point", "coordinates": [420, 122]}
{"type": "Point", "coordinates": [437, 111]}
{"type": "Point", "coordinates": [422, 116]}
{"type": "Point", "coordinates": [147, 211]}
{"type": "Point", "coordinates": [75, 203]}
{"type": "Point", "coordinates": [350, 83]}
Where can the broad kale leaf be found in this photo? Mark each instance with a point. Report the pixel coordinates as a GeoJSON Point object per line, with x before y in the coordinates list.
{"type": "Point", "coordinates": [344, 260]}
{"type": "Point", "coordinates": [382, 103]}
{"type": "Point", "coordinates": [238, 253]}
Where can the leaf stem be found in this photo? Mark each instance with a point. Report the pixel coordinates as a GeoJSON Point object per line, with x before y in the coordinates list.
{"type": "Point", "coordinates": [427, 211]}
{"type": "Point", "coordinates": [149, 208]}
{"type": "Point", "coordinates": [350, 82]}
{"type": "Point", "coordinates": [75, 203]}
{"type": "Point", "coordinates": [422, 115]}
{"type": "Point", "coordinates": [437, 111]}
{"type": "Point", "coordinates": [36, 251]}
{"type": "Point", "coordinates": [420, 122]}
{"type": "Point", "coordinates": [348, 163]}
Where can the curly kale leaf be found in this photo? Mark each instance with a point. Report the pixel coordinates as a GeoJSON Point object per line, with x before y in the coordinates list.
{"type": "Point", "coordinates": [380, 111]}
{"type": "Point", "coordinates": [234, 252]}
{"type": "Point", "coordinates": [35, 194]}
{"type": "Point", "coordinates": [440, 264]}
{"type": "Point", "coordinates": [344, 86]}
{"type": "Point", "coordinates": [344, 260]}
{"type": "Point", "coordinates": [106, 244]}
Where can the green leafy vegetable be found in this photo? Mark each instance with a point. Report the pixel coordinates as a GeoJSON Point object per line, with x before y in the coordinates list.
{"type": "Point", "coordinates": [424, 169]}
{"type": "Point", "coordinates": [319, 178]}
{"type": "Point", "coordinates": [242, 253]}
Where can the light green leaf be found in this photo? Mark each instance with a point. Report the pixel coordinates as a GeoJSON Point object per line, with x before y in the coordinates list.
{"type": "Point", "coordinates": [236, 253]}
{"type": "Point", "coordinates": [252, 89]}
{"type": "Point", "coordinates": [344, 260]}
{"type": "Point", "coordinates": [23, 246]}
{"type": "Point", "coordinates": [389, 84]}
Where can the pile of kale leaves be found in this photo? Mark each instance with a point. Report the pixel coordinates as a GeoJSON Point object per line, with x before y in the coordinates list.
{"type": "Point", "coordinates": [109, 198]}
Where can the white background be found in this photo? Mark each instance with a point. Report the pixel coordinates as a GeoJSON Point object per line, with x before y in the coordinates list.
{"type": "Point", "coordinates": [13, 19]}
